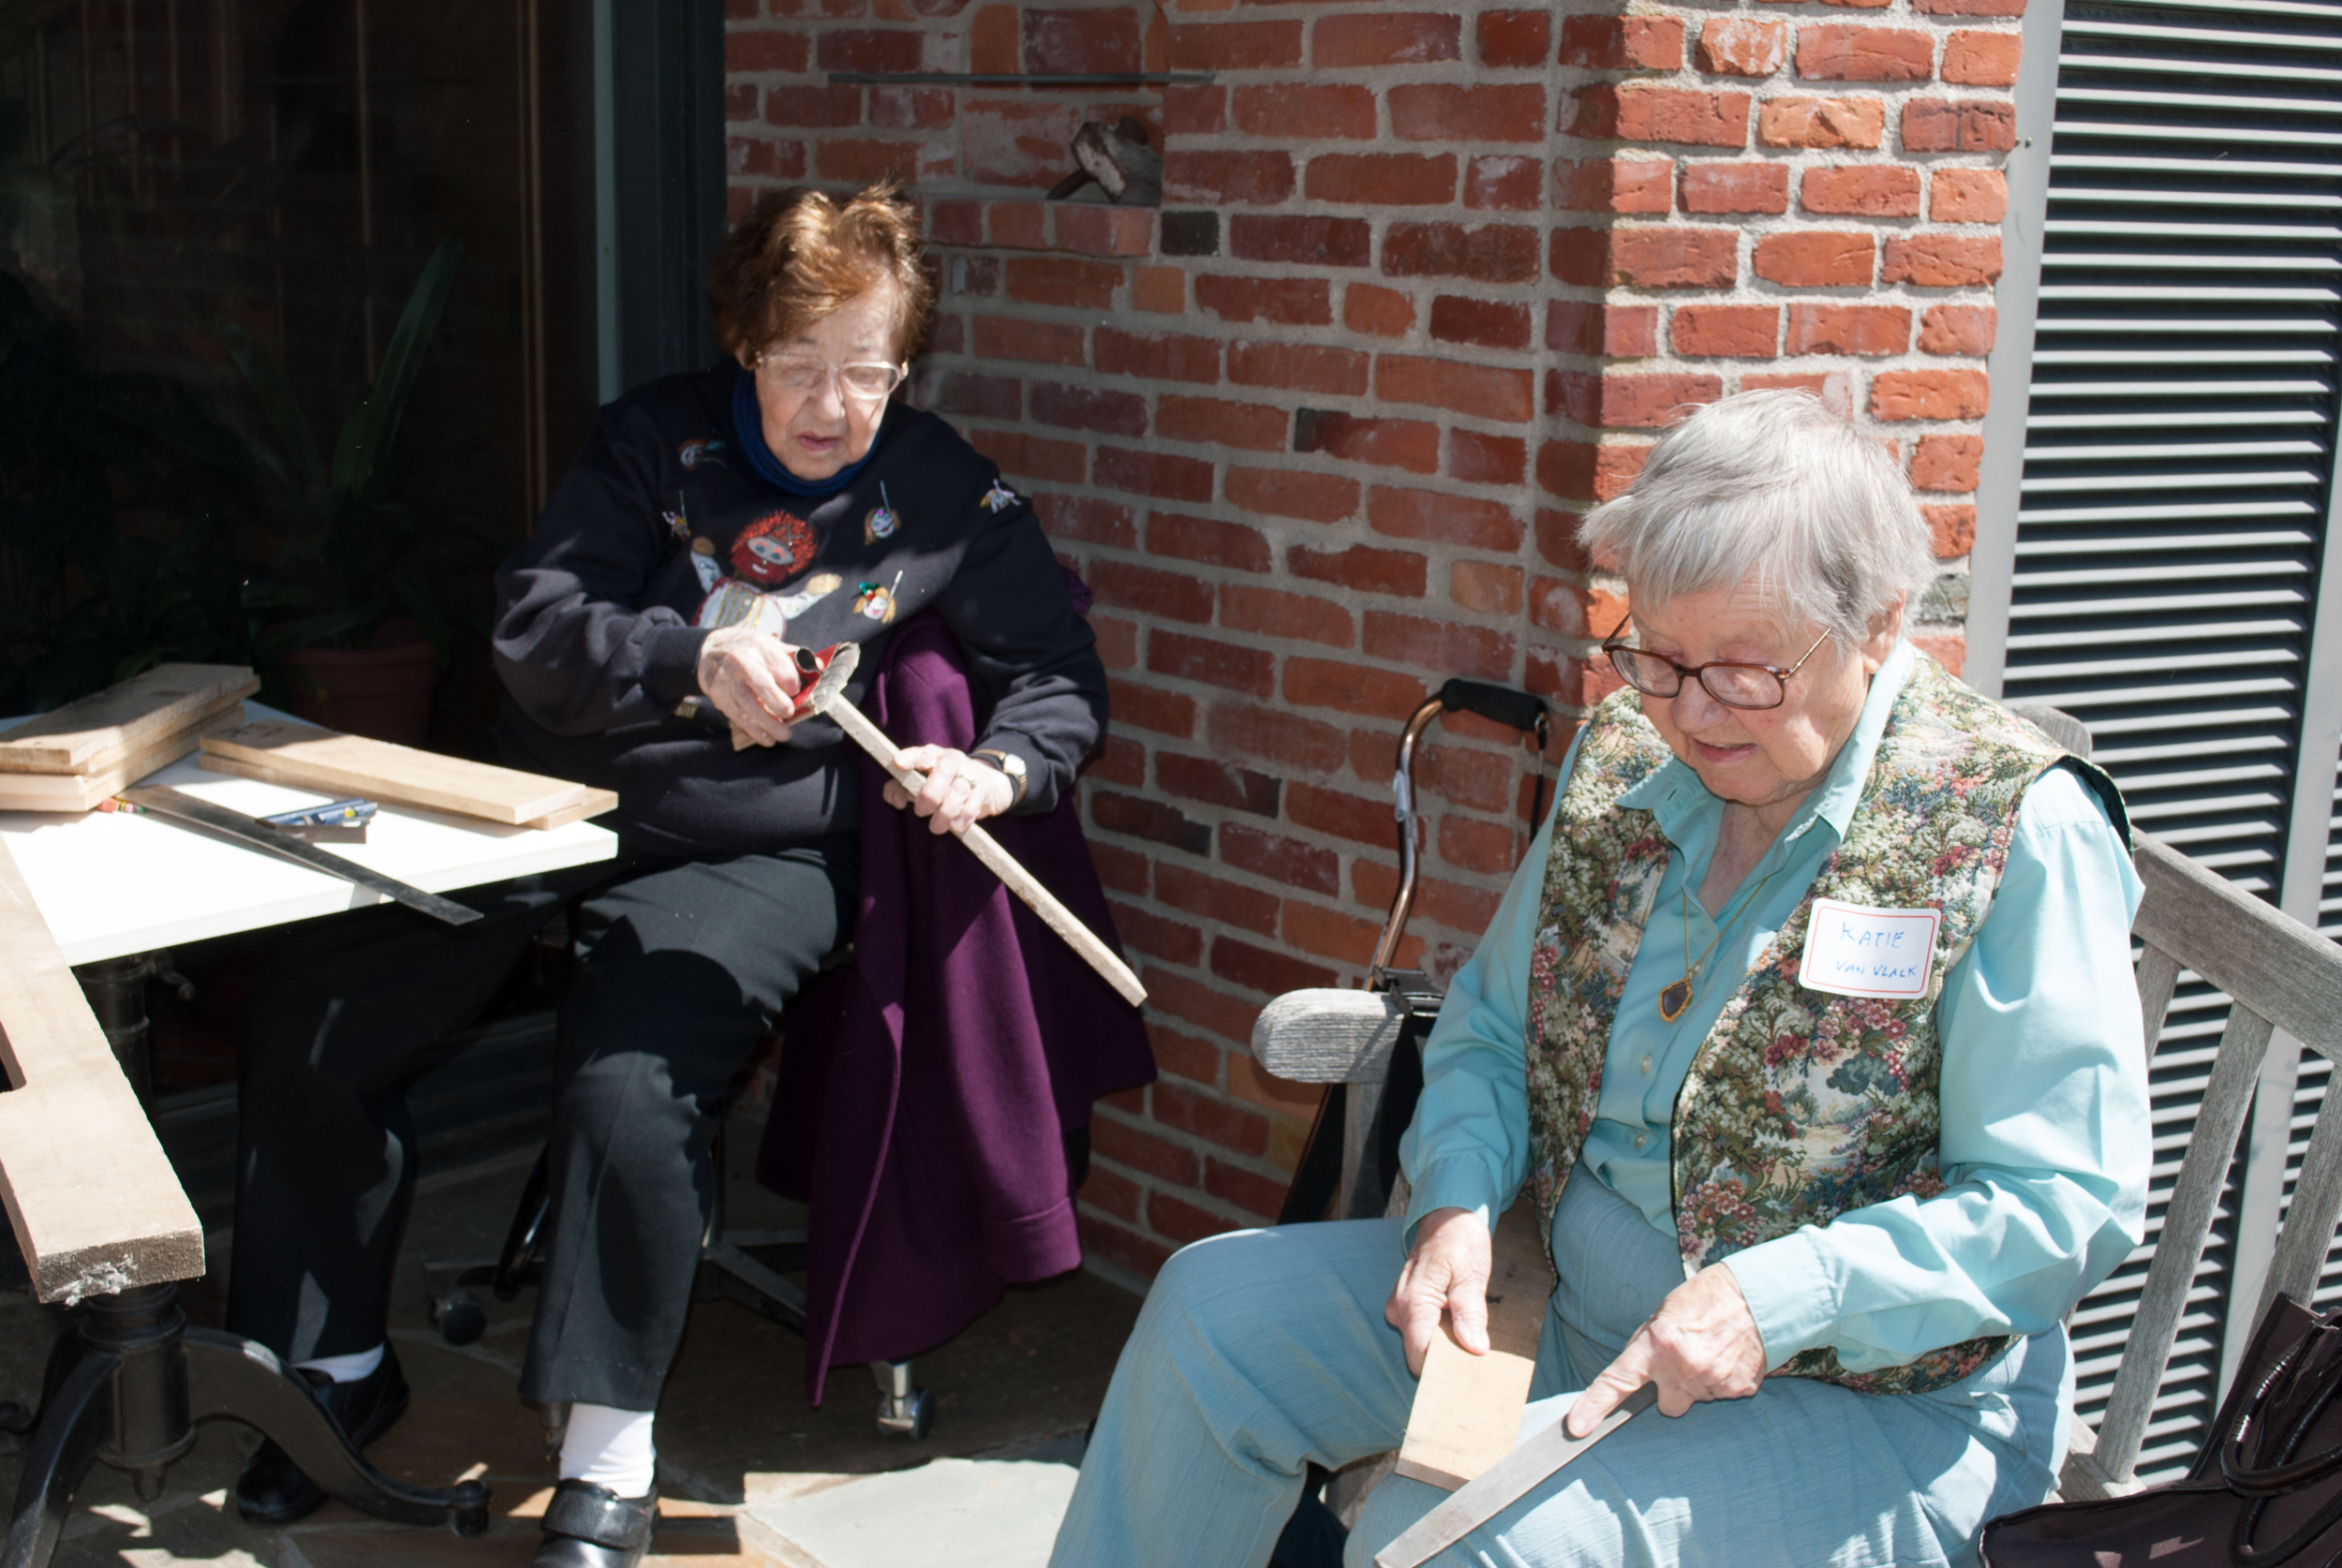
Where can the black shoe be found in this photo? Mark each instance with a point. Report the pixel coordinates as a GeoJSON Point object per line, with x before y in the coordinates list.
{"type": "Point", "coordinates": [589, 1526]}
{"type": "Point", "coordinates": [273, 1490]}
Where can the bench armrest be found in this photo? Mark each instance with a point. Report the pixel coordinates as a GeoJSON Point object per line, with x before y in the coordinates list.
{"type": "Point", "coordinates": [1328, 1036]}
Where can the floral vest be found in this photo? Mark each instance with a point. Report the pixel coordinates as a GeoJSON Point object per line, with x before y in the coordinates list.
{"type": "Point", "coordinates": [1799, 1104]}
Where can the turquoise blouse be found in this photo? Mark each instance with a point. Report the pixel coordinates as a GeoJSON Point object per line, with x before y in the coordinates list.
{"type": "Point", "coordinates": [2046, 1140]}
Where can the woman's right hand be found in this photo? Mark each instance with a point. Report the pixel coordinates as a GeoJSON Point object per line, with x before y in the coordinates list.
{"type": "Point", "coordinates": [1448, 1271]}
{"type": "Point", "coordinates": [751, 676]}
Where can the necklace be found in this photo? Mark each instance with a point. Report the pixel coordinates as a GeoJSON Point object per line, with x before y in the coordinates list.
{"type": "Point", "coordinates": [1675, 998]}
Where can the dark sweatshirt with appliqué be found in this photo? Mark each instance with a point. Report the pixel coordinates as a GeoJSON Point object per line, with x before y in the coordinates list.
{"type": "Point", "coordinates": [663, 530]}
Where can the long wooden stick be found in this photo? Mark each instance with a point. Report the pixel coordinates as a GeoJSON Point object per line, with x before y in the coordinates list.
{"type": "Point", "coordinates": [987, 850]}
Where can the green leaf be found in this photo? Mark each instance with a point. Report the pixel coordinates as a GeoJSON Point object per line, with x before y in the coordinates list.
{"type": "Point", "coordinates": [368, 435]}
{"type": "Point", "coordinates": [299, 462]}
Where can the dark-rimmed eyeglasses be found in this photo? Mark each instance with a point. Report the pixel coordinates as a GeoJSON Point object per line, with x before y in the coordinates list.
{"type": "Point", "coordinates": [868, 382]}
{"type": "Point", "coordinates": [1734, 685]}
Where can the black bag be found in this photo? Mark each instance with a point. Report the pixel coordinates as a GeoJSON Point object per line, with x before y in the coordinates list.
{"type": "Point", "coordinates": [2266, 1492]}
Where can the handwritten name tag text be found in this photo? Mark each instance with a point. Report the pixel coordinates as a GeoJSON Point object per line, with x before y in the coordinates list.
{"type": "Point", "coordinates": [1858, 951]}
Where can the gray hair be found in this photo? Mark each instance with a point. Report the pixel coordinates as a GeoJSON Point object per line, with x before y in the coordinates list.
{"type": "Point", "coordinates": [1771, 488]}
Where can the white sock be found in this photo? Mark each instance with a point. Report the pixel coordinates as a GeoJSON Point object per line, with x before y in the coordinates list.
{"type": "Point", "coordinates": [346, 1368]}
{"type": "Point", "coordinates": [611, 1448]}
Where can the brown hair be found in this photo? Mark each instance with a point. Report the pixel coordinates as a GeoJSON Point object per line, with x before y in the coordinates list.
{"type": "Point", "coordinates": [800, 255]}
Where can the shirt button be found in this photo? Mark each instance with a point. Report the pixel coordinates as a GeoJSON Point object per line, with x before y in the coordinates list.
{"type": "Point", "coordinates": [1641, 1138]}
{"type": "Point", "coordinates": [1646, 1066]}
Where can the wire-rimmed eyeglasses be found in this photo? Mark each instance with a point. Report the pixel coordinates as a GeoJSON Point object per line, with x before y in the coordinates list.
{"type": "Point", "coordinates": [1734, 685]}
{"type": "Point", "coordinates": [870, 382]}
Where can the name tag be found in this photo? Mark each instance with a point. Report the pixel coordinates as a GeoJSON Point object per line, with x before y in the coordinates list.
{"type": "Point", "coordinates": [1855, 951]}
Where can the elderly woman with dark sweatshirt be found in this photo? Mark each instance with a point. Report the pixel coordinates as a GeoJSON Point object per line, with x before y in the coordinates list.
{"type": "Point", "coordinates": [717, 524]}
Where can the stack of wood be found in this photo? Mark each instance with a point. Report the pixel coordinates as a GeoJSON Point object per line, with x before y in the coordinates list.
{"type": "Point", "coordinates": [73, 757]}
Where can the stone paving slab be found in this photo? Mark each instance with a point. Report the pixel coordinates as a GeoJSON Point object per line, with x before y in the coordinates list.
{"type": "Point", "coordinates": [999, 1512]}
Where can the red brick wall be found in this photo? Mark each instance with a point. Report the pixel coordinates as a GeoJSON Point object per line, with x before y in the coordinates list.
{"type": "Point", "coordinates": [1427, 282]}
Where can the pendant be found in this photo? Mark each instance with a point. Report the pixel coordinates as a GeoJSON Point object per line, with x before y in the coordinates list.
{"type": "Point", "coordinates": [1674, 1000]}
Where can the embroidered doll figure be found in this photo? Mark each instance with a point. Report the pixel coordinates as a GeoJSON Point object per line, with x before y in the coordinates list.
{"type": "Point", "coordinates": [999, 498]}
{"type": "Point", "coordinates": [882, 520]}
{"type": "Point", "coordinates": [773, 549]}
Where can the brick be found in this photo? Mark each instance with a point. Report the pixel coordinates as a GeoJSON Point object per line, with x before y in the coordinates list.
{"type": "Point", "coordinates": [1301, 302]}
{"type": "Point", "coordinates": [1362, 568]}
{"type": "Point", "coordinates": [1264, 970]}
{"type": "Point", "coordinates": [1614, 331]}
{"type": "Point", "coordinates": [989, 397]}
{"type": "Point", "coordinates": [1946, 462]}
{"type": "Point", "coordinates": [1638, 113]}
{"type": "Point", "coordinates": [1228, 179]}
{"type": "Point", "coordinates": [1165, 713]}
{"type": "Point", "coordinates": [1298, 111]}
{"type": "Point", "coordinates": [1557, 606]}
{"type": "Point", "coordinates": [864, 162]}
{"type": "Point", "coordinates": [1143, 1255]}
{"type": "Point", "coordinates": [1441, 902]}
{"type": "Point", "coordinates": [1835, 388]}
{"type": "Point", "coordinates": [1158, 291]}
{"type": "Point", "coordinates": [910, 108]}
{"type": "Point", "coordinates": [1486, 324]}
{"type": "Point", "coordinates": [1274, 613]}
{"type": "Point", "coordinates": [1493, 253]}
{"type": "Point", "coordinates": [814, 108]}
{"type": "Point", "coordinates": [766, 48]}
{"type": "Point", "coordinates": [1033, 456]}
{"type": "Point", "coordinates": [1835, 53]}
{"type": "Point", "coordinates": [1558, 546]}
{"type": "Point", "coordinates": [1369, 39]}
{"type": "Point", "coordinates": [1470, 845]}
{"type": "Point", "coordinates": [1976, 59]}
{"type": "Point", "coordinates": [1622, 43]}
{"type": "Point", "coordinates": [1742, 46]}
{"type": "Point", "coordinates": [1615, 184]}
{"type": "Point", "coordinates": [1158, 938]}
{"type": "Point", "coordinates": [1928, 394]}
{"type": "Point", "coordinates": [1235, 46]}
{"type": "Point", "coordinates": [1715, 186]}
{"type": "Point", "coordinates": [1942, 260]}
{"type": "Point", "coordinates": [865, 49]}
{"type": "Point", "coordinates": [1210, 661]}
{"type": "Point", "coordinates": [1340, 814]}
{"type": "Point", "coordinates": [1118, 760]}
{"type": "Point", "coordinates": [1862, 190]}
{"type": "Point", "coordinates": [1814, 259]}
{"type": "Point", "coordinates": [992, 43]}
{"type": "Point", "coordinates": [1409, 444]}
{"type": "Point", "coordinates": [955, 223]}
{"type": "Point", "coordinates": [1479, 390]}
{"type": "Point", "coordinates": [1117, 413]}
{"type": "Point", "coordinates": [1287, 862]}
{"type": "Point", "coordinates": [1428, 514]}
{"type": "Point", "coordinates": [1947, 644]}
{"type": "Point", "coordinates": [1495, 183]}
{"type": "Point", "coordinates": [1111, 1138]}
{"type": "Point", "coordinates": [1158, 355]}
{"type": "Point", "coordinates": [1260, 1197]}
{"type": "Point", "coordinates": [1726, 332]}
{"type": "Point", "coordinates": [1583, 471]}
{"type": "Point", "coordinates": [1382, 179]}
{"type": "Point", "coordinates": [1958, 329]}
{"type": "Point", "coordinates": [1629, 402]}
{"type": "Point", "coordinates": [1508, 39]}
{"type": "Point", "coordinates": [1950, 530]}
{"type": "Point", "coordinates": [765, 158]}
{"type": "Point", "coordinates": [1123, 870]}
{"type": "Point", "coordinates": [1117, 649]}
{"type": "Point", "coordinates": [1191, 111]}
{"type": "Point", "coordinates": [1313, 929]}
{"type": "Point", "coordinates": [1151, 820]}
{"type": "Point", "coordinates": [1095, 40]}
{"type": "Point", "coordinates": [1010, 337]}
{"type": "Point", "coordinates": [1102, 231]}
{"type": "Point", "coordinates": [1214, 783]}
{"type": "Point", "coordinates": [1208, 540]}
{"type": "Point", "coordinates": [1817, 328]}
{"type": "Point", "coordinates": [1648, 257]}
{"type": "Point", "coordinates": [1298, 366]}
{"type": "Point", "coordinates": [1213, 1119]}
{"type": "Point", "coordinates": [1969, 7]}
{"type": "Point", "coordinates": [1288, 739]}
{"type": "Point", "coordinates": [1251, 426]}
{"type": "Point", "coordinates": [1191, 234]}
{"type": "Point", "coordinates": [1376, 311]}
{"type": "Point", "coordinates": [1308, 242]}
{"type": "Point", "coordinates": [1292, 493]}
{"type": "Point", "coordinates": [1323, 682]}
{"type": "Point", "coordinates": [1485, 589]}
{"type": "Point", "coordinates": [1445, 111]}
{"type": "Point", "coordinates": [1958, 126]}
{"type": "Point", "coordinates": [1087, 519]}
{"type": "Point", "coordinates": [1969, 196]}
{"type": "Point", "coordinates": [1152, 473]}
{"type": "Point", "coordinates": [1182, 1221]}
{"type": "Point", "coordinates": [1175, 595]}
{"type": "Point", "coordinates": [1796, 121]}
{"type": "Point", "coordinates": [1478, 459]}
{"type": "Point", "coordinates": [1103, 1190]}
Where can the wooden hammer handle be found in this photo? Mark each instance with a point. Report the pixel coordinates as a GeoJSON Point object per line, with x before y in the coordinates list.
{"type": "Point", "coordinates": [1003, 865]}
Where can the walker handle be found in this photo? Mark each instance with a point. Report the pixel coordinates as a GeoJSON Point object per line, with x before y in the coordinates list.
{"type": "Point", "coordinates": [1498, 704]}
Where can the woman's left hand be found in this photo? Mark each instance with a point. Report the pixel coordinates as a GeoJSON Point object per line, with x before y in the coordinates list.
{"type": "Point", "coordinates": [1701, 1344]}
{"type": "Point", "coordinates": [960, 791]}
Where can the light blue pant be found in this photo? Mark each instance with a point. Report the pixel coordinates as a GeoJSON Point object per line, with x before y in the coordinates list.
{"type": "Point", "coordinates": [1260, 1353]}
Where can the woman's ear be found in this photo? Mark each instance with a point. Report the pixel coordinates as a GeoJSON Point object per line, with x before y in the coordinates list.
{"type": "Point", "coordinates": [1886, 630]}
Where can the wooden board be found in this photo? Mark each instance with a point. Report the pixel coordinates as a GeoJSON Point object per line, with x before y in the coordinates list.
{"type": "Point", "coordinates": [1327, 1036]}
{"type": "Point", "coordinates": [94, 1202]}
{"type": "Point", "coordinates": [1467, 1408]}
{"type": "Point", "coordinates": [594, 804]}
{"type": "Point", "coordinates": [99, 730]}
{"type": "Point", "coordinates": [285, 751]}
{"type": "Point", "coordinates": [82, 792]}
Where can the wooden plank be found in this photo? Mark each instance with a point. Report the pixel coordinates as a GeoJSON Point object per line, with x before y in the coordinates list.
{"type": "Point", "coordinates": [82, 792]}
{"type": "Point", "coordinates": [1327, 1036]}
{"type": "Point", "coordinates": [2309, 1222]}
{"type": "Point", "coordinates": [285, 751]}
{"type": "Point", "coordinates": [1467, 1408]}
{"type": "Point", "coordinates": [75, 738]}
{"type": "Point", "coordinates": [2292, 975]}
{"type": "Point", "coordinates": [94, 1205]}
{"type": "Point", "coordinates": [594, 804]}
{"type": "Point", "coordinates": [2158, 977]}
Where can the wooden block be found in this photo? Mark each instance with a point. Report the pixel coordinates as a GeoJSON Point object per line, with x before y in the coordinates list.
{"type": "Point", "coordinates": [594, 804]}
{"type": "Point", "coordinates": [81, 736]}
{"type": "Point", "coordinates": [1467, 1408]}
{"type": "Point", "coordinates": [286, 751]}
{"type": "Point", "coordinates": [94, 1205]}
{"type": "Point", "coordinates": [82, 792]}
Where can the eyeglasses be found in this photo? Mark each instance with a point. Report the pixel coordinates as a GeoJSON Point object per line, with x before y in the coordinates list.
{"type": "Point", "coordinates": [1736, 685]}
{"type": "Point", "coordinates": [802, 373]}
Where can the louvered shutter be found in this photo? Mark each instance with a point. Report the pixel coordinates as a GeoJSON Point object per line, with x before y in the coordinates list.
{"type": "Point", "coordinates": [2171, 514]}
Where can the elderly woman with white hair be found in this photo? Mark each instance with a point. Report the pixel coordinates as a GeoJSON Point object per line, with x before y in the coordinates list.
{"type": "Point", "coordinates": [1808, 1026]}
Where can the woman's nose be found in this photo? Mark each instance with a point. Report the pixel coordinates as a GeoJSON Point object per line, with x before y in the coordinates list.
{"type": "Point", "coordinates": [1697, 708]}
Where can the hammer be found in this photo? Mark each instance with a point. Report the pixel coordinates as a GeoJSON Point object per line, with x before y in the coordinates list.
{"type": "Point", "coordinates": [829, 697]}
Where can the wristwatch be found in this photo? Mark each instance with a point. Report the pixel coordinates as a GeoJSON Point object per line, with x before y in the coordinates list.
{"type": "Point", "coordinates": [1009, 764]}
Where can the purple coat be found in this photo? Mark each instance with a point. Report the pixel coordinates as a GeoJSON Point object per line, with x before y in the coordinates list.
{"type": "Point", "coordinates": [923, 1104]}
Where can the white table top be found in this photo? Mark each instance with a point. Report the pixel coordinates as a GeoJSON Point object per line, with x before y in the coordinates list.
{"type": "Point", "coordinates": [111, 883]}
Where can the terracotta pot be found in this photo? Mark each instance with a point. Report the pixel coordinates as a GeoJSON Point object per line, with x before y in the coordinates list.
{"type": "Point", "coordinates": [383, 692]}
